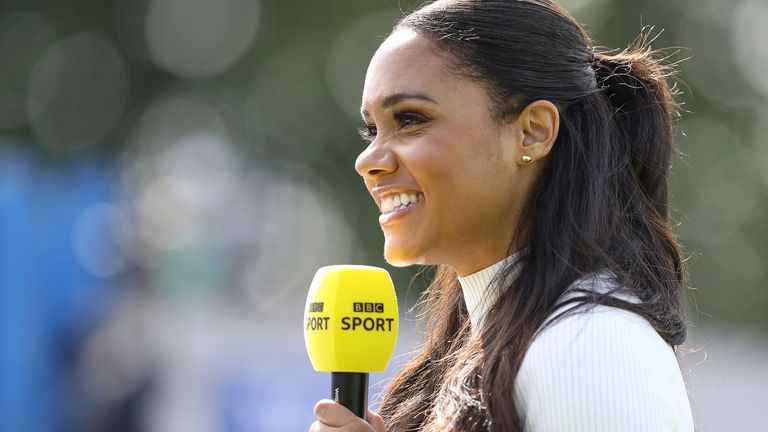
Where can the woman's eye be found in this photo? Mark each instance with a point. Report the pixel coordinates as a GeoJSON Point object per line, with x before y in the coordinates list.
{"type": "Point", "coordinates": [403, 119]}
{"type": "Point", "coordinates": [367, 132]}
{"type": "Point", "coordinates": [408, 119]}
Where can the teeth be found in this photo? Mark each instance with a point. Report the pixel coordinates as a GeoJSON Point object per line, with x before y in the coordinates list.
{"type": "Point", "coordinates": [404, 198]}
{"type": "Point", "coordinates": [386, 206]}
{"type": "Point", "coordinates": [399, 201]}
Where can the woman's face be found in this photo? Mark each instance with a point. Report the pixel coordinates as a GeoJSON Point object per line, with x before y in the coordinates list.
{"type": "Point", "coordinates": [434, 139]}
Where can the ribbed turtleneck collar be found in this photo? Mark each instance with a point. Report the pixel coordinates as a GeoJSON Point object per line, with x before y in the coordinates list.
{"type": "Point", "coordinates": [479, 295]}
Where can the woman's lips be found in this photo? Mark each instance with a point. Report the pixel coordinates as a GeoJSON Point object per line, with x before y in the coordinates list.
{"type": "Point", "coordinates": [387, 218]}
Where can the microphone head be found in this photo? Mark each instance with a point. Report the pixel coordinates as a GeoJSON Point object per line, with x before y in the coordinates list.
{"type": "Point", "coordinates": [350, 319]}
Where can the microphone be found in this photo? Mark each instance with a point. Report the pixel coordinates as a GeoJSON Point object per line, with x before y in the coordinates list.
{"type": "Point", "coordinates": [350, 329]}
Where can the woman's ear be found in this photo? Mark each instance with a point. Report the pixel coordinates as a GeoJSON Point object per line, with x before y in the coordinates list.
{"type": "Point", "coordinates": [539, 123]}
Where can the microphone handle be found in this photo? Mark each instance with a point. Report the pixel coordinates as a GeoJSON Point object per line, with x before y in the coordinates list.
{"type": "Point", "coordinates": [351, 390]}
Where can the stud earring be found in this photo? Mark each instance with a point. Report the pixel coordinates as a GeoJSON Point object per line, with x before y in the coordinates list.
{"type": "Point", "coordinates": [527, 159]}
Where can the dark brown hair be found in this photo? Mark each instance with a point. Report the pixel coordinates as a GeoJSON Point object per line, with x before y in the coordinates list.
{"type": "Point", "coordinates": [601, 202]}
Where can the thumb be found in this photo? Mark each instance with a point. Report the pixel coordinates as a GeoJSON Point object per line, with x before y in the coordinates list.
{"type": "Point", "coordinates": [376, 421]}
{"type": "Point", "coordinates": [334, 414]}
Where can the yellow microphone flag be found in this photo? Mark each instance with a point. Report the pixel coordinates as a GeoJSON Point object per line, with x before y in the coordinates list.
{"type": "Point", "coordinates": [350, 319]}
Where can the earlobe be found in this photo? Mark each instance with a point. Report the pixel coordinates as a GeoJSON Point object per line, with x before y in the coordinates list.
{"type": "Point", "coordinates": [540, 125]}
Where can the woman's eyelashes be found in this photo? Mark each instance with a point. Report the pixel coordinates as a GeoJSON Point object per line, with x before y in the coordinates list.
{"type": "Point", "coordinates": [367, 132]}
{"type": "Point", "coordinates": [403, 120]}
{"type": "Point", "coordinates": [407, 119]}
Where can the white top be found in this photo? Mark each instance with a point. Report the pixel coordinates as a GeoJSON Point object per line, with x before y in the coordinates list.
{"type": "Point", "coordinates": [600, 370]}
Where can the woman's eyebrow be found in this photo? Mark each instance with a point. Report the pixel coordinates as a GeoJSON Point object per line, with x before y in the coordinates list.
{"type": "Point", "coordinates": [398, 97]}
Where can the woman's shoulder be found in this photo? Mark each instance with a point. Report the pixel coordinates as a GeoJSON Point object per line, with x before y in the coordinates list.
{"type": "Point", "coordinates": [599, 332]}
{"type": "Point", "coordinates": [602, 333]}
{"type": "Point", "coordinates": [602, 368]}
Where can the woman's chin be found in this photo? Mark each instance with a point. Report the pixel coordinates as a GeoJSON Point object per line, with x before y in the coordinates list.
{"type": "Point", "coordinates": [397, 260]}
{"type": "Point", "coordinates": [399, 256]}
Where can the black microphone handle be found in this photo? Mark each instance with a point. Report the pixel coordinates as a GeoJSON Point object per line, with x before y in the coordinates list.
{"type": "Point", "coordinates": [351, 390]}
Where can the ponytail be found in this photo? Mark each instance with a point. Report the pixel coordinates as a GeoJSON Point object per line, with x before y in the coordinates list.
{"type": "Point", "coordinates": [634, 85]}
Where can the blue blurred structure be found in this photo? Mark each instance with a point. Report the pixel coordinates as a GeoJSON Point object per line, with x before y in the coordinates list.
{"type": "Point", "coordinates": [48, 300]}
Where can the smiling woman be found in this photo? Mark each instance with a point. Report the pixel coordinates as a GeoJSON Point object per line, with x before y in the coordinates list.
{"type": "Point", "coordinates": [431, 141]}
{"type": "Point", "coordinates": [533, 171]}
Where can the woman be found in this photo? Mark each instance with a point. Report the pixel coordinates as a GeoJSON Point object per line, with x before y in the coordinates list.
{"type": "Point", "coordinates": [533, 171]}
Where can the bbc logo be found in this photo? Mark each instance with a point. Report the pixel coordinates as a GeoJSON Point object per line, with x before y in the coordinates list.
{"type": "Point", "coordinates": [368, 307]}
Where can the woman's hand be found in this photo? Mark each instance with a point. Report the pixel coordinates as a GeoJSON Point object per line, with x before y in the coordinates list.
{"type": "Point", "coordinates": [332, 416]}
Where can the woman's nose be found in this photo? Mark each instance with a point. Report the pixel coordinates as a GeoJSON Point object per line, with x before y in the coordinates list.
{"type": "Point", "coordinates": [375, 161]}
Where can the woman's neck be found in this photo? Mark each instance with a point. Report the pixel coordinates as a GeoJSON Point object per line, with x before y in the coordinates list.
{"type": "Point", "coordinates": [480, 289]}
{"type": "Point", "coordinates": [473, 263]}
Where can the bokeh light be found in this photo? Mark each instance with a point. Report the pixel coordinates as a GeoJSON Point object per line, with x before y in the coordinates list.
{"type": "Point", "coordinates": [77, 92]}
{"type": "Point", "coordinates": [747, 28]}
{"type": "Point", "coordinates": [99, 239]}
{"type": "Point", "coordinates": [199, 38]}
{"type": "Point", "coordinates": [348, 58]}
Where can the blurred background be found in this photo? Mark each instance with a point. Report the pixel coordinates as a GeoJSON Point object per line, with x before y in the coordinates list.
{"type": "Point", "coordinates": [173, 172]}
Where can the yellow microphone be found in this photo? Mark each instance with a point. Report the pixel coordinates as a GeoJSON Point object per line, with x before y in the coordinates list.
{"type": "Point", "coordinates": [350, 328]}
